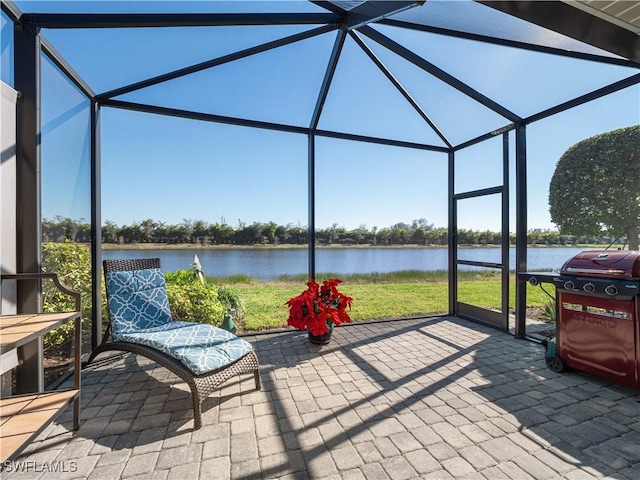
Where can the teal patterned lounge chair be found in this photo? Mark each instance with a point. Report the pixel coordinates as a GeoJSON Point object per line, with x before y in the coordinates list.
{"type": "Point", "coordinates": [202, 355]}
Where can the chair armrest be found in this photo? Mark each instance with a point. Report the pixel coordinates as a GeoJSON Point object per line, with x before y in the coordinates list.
{"type": "Point", "coordinates": [52, 276]}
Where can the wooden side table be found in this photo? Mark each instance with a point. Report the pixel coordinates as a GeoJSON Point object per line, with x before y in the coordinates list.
{"type": "Point", "coordinates": [24, 417]}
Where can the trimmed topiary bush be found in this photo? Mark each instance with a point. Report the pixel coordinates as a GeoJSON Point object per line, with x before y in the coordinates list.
{"type": "Point", "coordinates": [594, 189]}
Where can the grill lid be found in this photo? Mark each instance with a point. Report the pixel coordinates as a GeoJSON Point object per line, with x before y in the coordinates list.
{"type": "Point", "coordinates": [604, 263]}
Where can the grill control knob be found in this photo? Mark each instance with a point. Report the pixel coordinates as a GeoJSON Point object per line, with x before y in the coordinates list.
{"type": "Point", "coordinates": [589, 287]}
{"type": "Point", "coordinates": [569, 285]}
{"type": "Point", "coordinates": [611, 290]}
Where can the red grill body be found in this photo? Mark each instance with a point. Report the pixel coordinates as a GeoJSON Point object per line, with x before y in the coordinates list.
{"type": "Point", "coordinates": [607, 264]}
{"type": "Point", "coordinates": [598, 313]}
{"type": "Point", "coordinates": [598, 332]}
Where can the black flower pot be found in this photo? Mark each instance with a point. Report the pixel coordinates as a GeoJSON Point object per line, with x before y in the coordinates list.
{"type": "Point", "coordinates": [321, 339]}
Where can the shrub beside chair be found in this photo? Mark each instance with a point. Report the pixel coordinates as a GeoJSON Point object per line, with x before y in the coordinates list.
{"type": "Point", "coordinates": [202, 355]}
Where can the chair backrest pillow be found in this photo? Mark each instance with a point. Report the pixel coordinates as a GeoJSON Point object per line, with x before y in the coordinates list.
{"type": "Point", "coordinates": [137, 300]}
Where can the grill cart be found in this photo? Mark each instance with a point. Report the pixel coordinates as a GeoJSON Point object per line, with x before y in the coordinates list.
{"type": "Point", "coordinates": [598, 314]}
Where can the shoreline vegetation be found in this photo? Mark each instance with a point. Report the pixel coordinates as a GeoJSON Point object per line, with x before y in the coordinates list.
{"type": "Point", "coordinates": [200, 234]}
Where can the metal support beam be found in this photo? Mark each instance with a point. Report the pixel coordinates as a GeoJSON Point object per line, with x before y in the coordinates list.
{"type": "Point", "coordinates": [507, 42]}
{"type": "Point", "coordinates": [486, 136]}
{"type": "Point", "coordinates": [380, 141]}
{"type": "Point", "coordinates": [243, 122]}
{"type": "Point", "coordinates": [452, 237]}
{"type": "Point", "coordinates": [396, 83]}
{"type": "Point", "coordinates": [67, 69]}
{"type": "Point", "coordinates": [313, 125]}
{"type": "Point", "coordinates": [505, 229]}
{"type": "Point", "coordinates": [586, 98]}
{"type": "Point", "coordinates": [358, 14]}
{"type": "Point", "coordinates": [147, 20]}
{"type": "Point", "coordinates": [28, 238]}
{"type": "Point", "coordinates": [312, 205]}
{"type": "Point", "coordinates": [562, 107]}
{"type": "Point", "coordinates": [96, 228]}
{"type": "Point", "coordinates": [368, 12]}
{"type": "Point", "coordinates": [215, 62]}
{"type": "Point", "coordinates": [429, 67]}
{"type": "Point", "coordinates": [482, 192]}
{"type": "Point", "coordinates": [328, 77]}
{"type": "Point", "coordinates": [203, 117]}
{"type": "Point", "coordinates": [12, 11]}
{"type": "Point", "coordinates": [521, 229]}
{"type": "Point", "coordinates": [27, 82]}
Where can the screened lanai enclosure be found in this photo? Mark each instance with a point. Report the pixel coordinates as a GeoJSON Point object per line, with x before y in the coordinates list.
{"type": "Point", "coordinates": [314, 113]}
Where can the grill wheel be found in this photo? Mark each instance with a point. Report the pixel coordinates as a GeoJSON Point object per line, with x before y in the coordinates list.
{"type": "Point", "coordinates": [554, 363]}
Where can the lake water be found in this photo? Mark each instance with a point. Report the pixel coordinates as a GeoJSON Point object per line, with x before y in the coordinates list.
{"type": "Point", "coordinates": [268, 263]}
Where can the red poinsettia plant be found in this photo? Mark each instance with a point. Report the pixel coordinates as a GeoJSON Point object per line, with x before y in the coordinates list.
{"type": "Point", "coordinates": [318, 307]}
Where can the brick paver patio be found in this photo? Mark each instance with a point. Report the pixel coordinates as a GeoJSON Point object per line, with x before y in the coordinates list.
{"type": "Point", "coordinates": [427, 398]}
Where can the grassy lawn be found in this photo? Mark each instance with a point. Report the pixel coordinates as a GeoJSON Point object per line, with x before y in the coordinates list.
{"type": "Point", "coordinates": [375, 296]}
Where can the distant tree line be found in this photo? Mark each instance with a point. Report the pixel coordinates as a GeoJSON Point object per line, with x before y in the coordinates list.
{"type": "Point", "coordinates": [198, 232]}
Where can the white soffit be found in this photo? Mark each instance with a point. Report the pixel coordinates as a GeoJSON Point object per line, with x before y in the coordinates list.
{"type": "Point", "coordinates": [624, 13]}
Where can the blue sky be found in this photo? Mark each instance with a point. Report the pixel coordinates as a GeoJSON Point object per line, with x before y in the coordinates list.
{"type": "Point", "coordinates": [170, 169]}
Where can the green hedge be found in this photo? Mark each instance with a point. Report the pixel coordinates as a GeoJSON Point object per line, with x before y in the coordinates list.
{"type": "Point", "coordinates": [189, 299]}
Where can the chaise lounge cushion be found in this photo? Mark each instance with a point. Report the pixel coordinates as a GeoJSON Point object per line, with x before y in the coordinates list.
{"type": "Point", "coordinates": [137, 300]}
{"type": "Point", "coordinates": [201, 348]}
{"type": "Point", "coordinates": [140, 314]}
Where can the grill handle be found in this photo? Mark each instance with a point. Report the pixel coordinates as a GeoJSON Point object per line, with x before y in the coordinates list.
{"type": "Point", "coordinates": [595, 270]}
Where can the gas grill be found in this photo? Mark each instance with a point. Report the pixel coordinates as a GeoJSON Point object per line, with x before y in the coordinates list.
{"type": "Point", "coordinates": [598, 314]}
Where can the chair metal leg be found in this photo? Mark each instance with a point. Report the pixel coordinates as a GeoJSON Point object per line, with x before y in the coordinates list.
{"type": "Point", "coordinates": [256, 375]}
